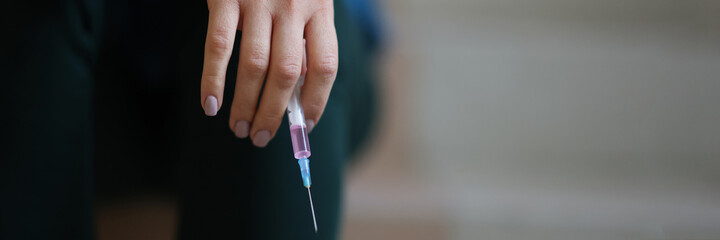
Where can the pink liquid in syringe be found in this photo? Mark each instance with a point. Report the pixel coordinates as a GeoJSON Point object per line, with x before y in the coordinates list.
{"type": "Point", "coordinates": [301, 145]}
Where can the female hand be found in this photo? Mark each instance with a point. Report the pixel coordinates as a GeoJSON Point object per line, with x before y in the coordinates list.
{"type": "Point", "coordinates": [272, 45]}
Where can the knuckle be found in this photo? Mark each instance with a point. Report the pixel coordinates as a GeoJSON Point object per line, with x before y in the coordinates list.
{"type": "Point", "coordinates": [256, 63]}
{"type": "Point", "coordinates": [289, 73]}
{"type": "Point", "coordinates": [220, 41]}
{"type": "Point", "coordinates": [315, 106]}
{"type": "Point", "coordinates": [326, 68]}
{"type": "Point", "coordinates": [213, 80]}
{"type": "Point", "coordinates": [271, 119]}
{"type": "Point", "coordinates": [292, 4]}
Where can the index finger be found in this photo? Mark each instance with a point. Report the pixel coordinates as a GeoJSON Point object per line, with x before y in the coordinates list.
{"type": "Point", "coordinates": [222, 25]}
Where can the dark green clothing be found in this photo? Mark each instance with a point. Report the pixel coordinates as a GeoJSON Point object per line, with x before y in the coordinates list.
{"type": "Point", "coordinates": [102, 100]}
{"type": "Point", "coordinates": [48, 53]}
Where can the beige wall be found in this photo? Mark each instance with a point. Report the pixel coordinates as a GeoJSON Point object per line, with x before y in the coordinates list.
{"type": "Point", "coordinates": [545, 119]}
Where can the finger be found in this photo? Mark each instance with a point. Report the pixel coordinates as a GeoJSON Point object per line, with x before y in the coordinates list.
{"type": "Point", "coordinates": [253, 65]}
{"type": "Point", "coordinates": [222, 25]}
{"type": "Point", "coordinates": [322, 57]}
{"type": "Point", "coordinates": [303, 70]}
{"type": "Point", "coordinates": [285, 66]}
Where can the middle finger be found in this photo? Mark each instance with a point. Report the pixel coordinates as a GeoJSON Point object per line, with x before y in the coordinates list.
{"type": "Point", "coordinates": [254, 61]}
{"type": "Point", "coordinates": [285, 67]}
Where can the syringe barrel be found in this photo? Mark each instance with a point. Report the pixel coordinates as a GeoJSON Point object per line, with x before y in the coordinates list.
{"type": "Point", "coordinates": [296, 116]}
{"type": "Point", "coordinates": [296, 119]}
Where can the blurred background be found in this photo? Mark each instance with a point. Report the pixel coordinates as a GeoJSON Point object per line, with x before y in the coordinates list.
{"type": "Point", "coordinates": [544, 119]}
{"type": "Point", "coordinates": [498, 119]}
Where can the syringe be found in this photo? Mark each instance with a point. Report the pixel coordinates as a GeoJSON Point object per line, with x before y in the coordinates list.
{"type": "Point", "coordinates": [300, 143]}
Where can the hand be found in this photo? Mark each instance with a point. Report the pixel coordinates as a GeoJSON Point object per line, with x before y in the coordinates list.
{"type": "Point", "coordinates": [272, 44]}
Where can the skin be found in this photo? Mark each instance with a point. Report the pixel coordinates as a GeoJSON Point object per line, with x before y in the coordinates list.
{"type": "Point", "coordinates": [272, 45]}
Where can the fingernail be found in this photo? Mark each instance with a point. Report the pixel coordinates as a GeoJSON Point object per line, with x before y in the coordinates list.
{"type": "Point", "coordinates": [241, 128]}
{"type": "Point", "coordinates": [211, 106]}
{"type": "Point", "coordinates": [261, 138]}
{"type": "Point", "coordinates": [310, 125]}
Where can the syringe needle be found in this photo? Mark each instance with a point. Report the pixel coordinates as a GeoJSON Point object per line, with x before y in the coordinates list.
{"type": "Point", "coordinates": [312, 209]}
{"type": "Point", "coordinates": [305, 173]}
